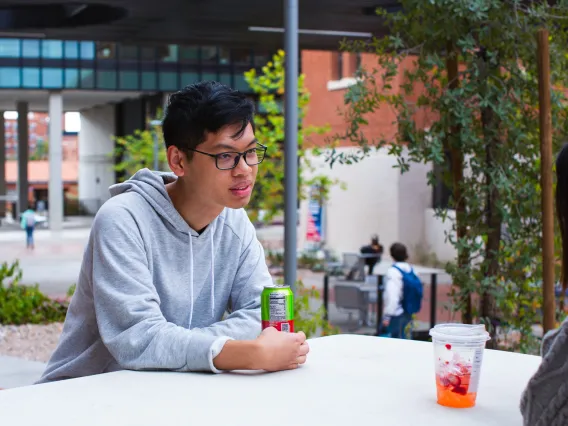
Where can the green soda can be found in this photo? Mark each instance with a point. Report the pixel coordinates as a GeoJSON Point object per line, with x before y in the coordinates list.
{"type": "Point", "coordinates": [277, 308]}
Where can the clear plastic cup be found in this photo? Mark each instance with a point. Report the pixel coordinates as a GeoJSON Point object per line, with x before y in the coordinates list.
{"type": "Point", "coordinates": [458, 353]}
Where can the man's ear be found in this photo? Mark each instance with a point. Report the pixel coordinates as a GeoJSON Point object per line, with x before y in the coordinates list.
{"type": "Point", "coordinates": [177, 161]}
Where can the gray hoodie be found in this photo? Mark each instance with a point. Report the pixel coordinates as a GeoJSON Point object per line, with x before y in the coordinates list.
{"type": "Point", "coordinates": [545, 400]}
{"type": "Point", "coordinates": [152, 291]}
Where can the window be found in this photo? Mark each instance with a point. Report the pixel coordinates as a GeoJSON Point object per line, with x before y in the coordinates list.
{"type": "Point", "coordinates": [168, 81]}
{"type": "Point", "coordinates": [106, 79]}
{"type": "Point", "coordinates": [52, 78]}
{"type": "Point", "coordinates": [128, 80]}
{"type": "Point", "coordinates": [9, 48]}
{"type": "Point", "coordinates": [128, 52]}
{"type": "Point", "coordinates": [30, 48]}
{"type": "Point", "coordinates": [52, 49]}
{"type": "Point", "coordinates": [71, 79]}
{"type": "Point", "coordinates": [168, 53]}
{"type": "Point", "coordinates": [9, 77]}
{"type": "Point", "coordinates": [149, 80]}
{"type": "Point", "coordinates": [337, 65]}
{"type": "Point", "coordinates": [30, 77]}
{"type": "Point", "coordinates": [87, 50]}
{"type": "Point", "coordinates": [106, 50]}
{"type": "Point", "coordinates": [71, 49]}
{"type": "Point", "coordinates": [189, 54]}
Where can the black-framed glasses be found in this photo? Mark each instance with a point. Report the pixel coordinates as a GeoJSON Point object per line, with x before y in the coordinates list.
{"type": "Point", "coordinates": [229, 160]}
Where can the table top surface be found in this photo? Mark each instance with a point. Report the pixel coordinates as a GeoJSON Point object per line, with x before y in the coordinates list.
{"type": "Point", "coordinates": [348, 380]}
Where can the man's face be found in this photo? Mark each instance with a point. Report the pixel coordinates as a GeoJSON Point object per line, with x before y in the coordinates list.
{"type": "Point", "coordinates": [223, 188]}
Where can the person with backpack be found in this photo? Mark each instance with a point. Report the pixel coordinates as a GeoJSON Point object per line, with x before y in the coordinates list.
{"type": "Point", "coordinates": [27, 223]}
{"type": "Point", "coordinates": [402, 295]}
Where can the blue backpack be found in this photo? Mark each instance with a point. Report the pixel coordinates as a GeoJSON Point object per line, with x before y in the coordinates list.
{"type": "Point", "coordinates": [412, 291]}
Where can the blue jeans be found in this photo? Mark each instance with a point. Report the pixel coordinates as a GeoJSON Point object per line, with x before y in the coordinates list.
{"type": "Point", "coordinates": [29, 236]}
{"type": "Point", "coordinates": [397, 326]}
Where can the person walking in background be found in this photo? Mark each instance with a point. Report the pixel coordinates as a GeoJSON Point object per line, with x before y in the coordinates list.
{"type": "Point", "coordinates": [375, 250]}
{"type": "Point", "coordinates": [403, 294]}
{"type": "Point", "coordinates": [27, 223]}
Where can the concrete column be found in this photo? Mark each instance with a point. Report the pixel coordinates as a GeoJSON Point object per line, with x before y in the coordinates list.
{"type": "Point", "coordinates": [23, 157]}
{"type": "Point", "coordinates": [55, 188]}
{"type": "Point", "coordinates": [2, 165]}
{"type": "Point", "coordinates": [96, 171]}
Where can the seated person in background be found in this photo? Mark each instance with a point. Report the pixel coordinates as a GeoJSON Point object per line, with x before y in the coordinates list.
{"type": "Point", "coordinates": [374, 248]}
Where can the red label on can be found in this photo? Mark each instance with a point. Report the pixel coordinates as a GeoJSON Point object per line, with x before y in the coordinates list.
{"type": "Point", "coordinates": [285, 326]}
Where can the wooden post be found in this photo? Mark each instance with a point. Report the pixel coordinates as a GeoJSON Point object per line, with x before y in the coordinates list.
{"type": "Point", "coordinates": [549, 311]}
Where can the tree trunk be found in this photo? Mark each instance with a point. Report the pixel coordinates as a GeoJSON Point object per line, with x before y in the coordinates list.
{"type": "Point", "coordinates": [456, 167]}
{"type": "Point", "coordinates": [494, 219]}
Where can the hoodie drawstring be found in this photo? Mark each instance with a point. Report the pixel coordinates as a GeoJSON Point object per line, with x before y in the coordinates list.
{"type": "Point", "coordinates": [191, 275]}
{"type": "Point", "coordinates": [190, 280]}
{"type": "Point", "coordinates": [212, 272]}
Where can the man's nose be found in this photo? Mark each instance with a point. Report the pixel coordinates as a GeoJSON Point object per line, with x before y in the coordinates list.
{"type": "Point", "coordinates": [242, 167]}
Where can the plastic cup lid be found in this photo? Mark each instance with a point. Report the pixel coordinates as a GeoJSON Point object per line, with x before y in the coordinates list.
{"type": "Point", "coordinates": [460, 332]}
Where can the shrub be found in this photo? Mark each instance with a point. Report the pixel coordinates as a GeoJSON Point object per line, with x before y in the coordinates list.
{"type": "Point", "coordinates": [20, 304]}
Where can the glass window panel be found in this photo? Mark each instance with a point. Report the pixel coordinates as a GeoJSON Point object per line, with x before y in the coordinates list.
{"type": "Point", "coordinates": [71, 49]}
{"type": "Point", "coordinates": [30, 77]}
{"type": "Point", "coordinates": [87, 79]}
{"type": "Point", "coordinates": [52, 49]}
{"type": "Point", "coordinates": [52, 77]}
{"type": "Point", "coordinates": [71, 78]}
{"type": "Point", "coordinates": [149, 80]}
{"type": "Point", "coordinates": [209, 55]}
{"type": "Point", "coordinates": [9, 48]}
{"type": "Point", "coordinates": [148, 53]}
{"type": "Point", "coordinates": [168, 53]}
{"type": "Point", "coordinates": [224, 56]}
{"type": "Point", "coordinates": [189, 54]}
{"type": "Point", "coordinates": [30, 48]}
{"type": "Point", "coordinates": [188, 78]}
{"type": "Point", "coordinates": [241, 57]}
{"type": "Point", "coordinates": [128, 80]}
{"type": "Point", "coordinates": [106, 79]}
{"type": "Point", "coordinates": [9, 77]}
{"type": "Point", "coordinates": [225, 78]}
{"type": "Point", "coordinates": [241, 84]}
{"type": "Point", "coordinates": [168, 81]}
{"type": "Point", "coordinates": [87, 50]}
{"type": "Point", "coordinates": [128, 51]}
{"type": "Point", "coordinates": [209, 76]}
{"type": "Point", "coordinates": [261, 58]}
{"type": "Point", "coordinates": [106, 50]}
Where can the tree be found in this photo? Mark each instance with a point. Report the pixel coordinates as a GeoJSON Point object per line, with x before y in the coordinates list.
{"type": "Point", "coordinates": [471, 67]}
{"type": "Point", "coordinates": [136, 151]}
{"type": "Point", "coordinates": [269, 121]}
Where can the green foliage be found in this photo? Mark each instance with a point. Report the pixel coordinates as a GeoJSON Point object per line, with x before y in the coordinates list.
{"type": "Point", "coordinates": [41, 151]}
{"type": "Point", "coordinates": [137, 151]}
{"type": "Point", "coordinates": [311, 322]}
{"type": "Point", "coordinates": [269, 188]}
{"type": "Point", "coordinates": [21, 304]}
{"type": "Point", "coordinates": [486, 120]}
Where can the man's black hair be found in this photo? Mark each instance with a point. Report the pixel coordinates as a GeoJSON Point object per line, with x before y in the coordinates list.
{"type": "Point", "coordinates": [398, 252]}
{"type": "Point", "coordinates": [204, 107]}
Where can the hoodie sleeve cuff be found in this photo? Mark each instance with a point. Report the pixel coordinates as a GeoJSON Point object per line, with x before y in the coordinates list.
{"type": "Point", "coordinates": [215, 350]}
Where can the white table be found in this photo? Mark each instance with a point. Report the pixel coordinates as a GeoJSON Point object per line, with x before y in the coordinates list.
{"type": "Point", "coordinates": [347, 381]}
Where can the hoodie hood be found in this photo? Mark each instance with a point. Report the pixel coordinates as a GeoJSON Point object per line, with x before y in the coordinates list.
{"type": "Point", "coordinates": [151, 186]}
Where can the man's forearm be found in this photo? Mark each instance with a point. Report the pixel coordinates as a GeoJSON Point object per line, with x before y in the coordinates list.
{"type": "Point", "coordinates": [238, 355]}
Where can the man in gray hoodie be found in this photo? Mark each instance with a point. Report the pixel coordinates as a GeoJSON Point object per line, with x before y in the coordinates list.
{"type": "Point", "coordinates": [170, 253]}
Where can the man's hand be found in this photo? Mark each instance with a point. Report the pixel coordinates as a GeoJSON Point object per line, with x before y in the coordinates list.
{"type": "Point", "coordinates": [281, 351]}
{"type": "Point", "coordinates": [271, 351]}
